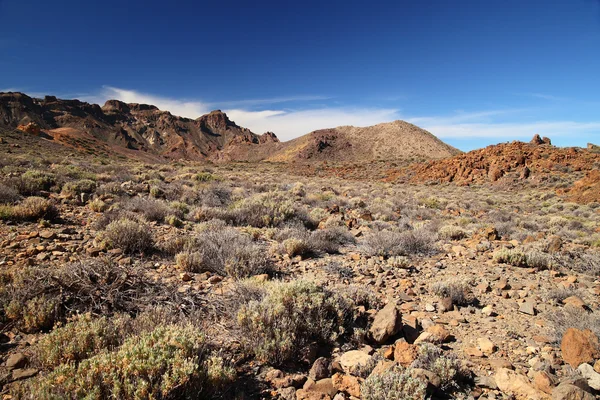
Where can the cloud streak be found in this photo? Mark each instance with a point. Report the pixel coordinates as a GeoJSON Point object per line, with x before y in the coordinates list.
{"type": "Point", "coordinates": [495, 125]}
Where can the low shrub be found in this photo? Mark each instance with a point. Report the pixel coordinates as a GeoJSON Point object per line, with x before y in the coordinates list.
{"type": "Point", "coordinates": [458, 291]}
{"type": "Point", "coordinates": [129, 236]}
{"type": "Point", "coordinates": [223, 251]}
{"type": "Point", "coordinates": [30, 209]}
{"type": "Point", "coordinates": [520, 258]}
{"type": "Point", "coordinates": [268, 209]}
{"type": "Point", "coordinates": [396, 383]}
{"type": "Point", "coordinates": [80, 339]}
{"type": "Point", "coordinates": [289, 316]}
{"type": "Point", "coordinates": [407, 243]}
{"type": "Point", "coordinates": [97, 205]}
{"type": "Point", "coordinates": [32, 182]}
{"type": "Point", "coordinates": [75, 188]}
{"type": "Point", "coordinates": [445, 365]}
{"type": "Point", "coordinates": [451, 232]}
{"type": "Point", "coordinates": [151, 209]}
{"type": "Point", "coordinates": [167, 362]}
{"type": "Point", "coordinates": [8, 195]}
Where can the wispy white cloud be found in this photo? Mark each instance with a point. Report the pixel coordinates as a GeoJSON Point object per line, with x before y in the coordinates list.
{"type": "Point", "coordinates": [287, 124]}
{"type": "Point", "coordinates": [544, 96]}
{"type": "Point", "coordinates": [496, 125]}
{"type": "Point", "coordinates": [513, 131]}
{"type": "Point", "coordinates": [273, 100]}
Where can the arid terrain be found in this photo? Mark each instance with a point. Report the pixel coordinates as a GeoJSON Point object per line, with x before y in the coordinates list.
{"type": "Point", "coordinates": [148, 256]}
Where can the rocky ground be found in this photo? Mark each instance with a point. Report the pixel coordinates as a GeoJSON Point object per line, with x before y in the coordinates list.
{"type": "Point", "coordinates": [409, 291]}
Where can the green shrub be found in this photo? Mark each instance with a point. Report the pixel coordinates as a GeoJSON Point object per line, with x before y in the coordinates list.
{"type": "Point", "coordinates": [397, 383]}
{"type": "Point", "coordinates": [32, 182]}
{"type": "Point", "coordinates": [129, 236]}
{"type": "Point", "coordinates": [164, 363]}
{"type": "Point", "coordinates": [445, 365]}
{"type": "Point", "coordinates": [80, 339]}
{"type": "Point", "coordinates": [174, 221]}
{"type": "Point", "coordinates": [97, 205]}
{"type": "Point", "coordinates": [289, 316]}
{"type": "Point", "coordinates": [204, 177]}
{"type": "Point", "coordinates": [37, 313]}
{"type": "Point", "coordinates": [75, 188]}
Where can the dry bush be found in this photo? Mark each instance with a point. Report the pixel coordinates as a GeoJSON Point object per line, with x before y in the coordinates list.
{"type": "Point", "coordinates": [8, 195]}
{"type": "Point", "coordinates": [30, 209]}
{"type": "Point", "coordinates": [458, 291]}
{"type": "Point", "coordinates": [289, 316]}
{"type": "Point", "coordinates": [224, 251]}
{"type": "Point", "coordinates": [560, 293]}
{"type": "Point", "coordinates": [574, 317]}
{"type": "Point", "coordinates": [129, 236]}
{"type": "Point", "coordinates": [521, 258]}
{"type": "Point", "coordinates": [151, 209]}
{"type": "Point", "coordinates": [407, 243]}
{"type": "Point", "coordinates": [451, 232]}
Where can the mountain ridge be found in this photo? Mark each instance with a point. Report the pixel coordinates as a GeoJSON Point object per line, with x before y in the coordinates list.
{"type": "Point", "coordinates": [142, 128]}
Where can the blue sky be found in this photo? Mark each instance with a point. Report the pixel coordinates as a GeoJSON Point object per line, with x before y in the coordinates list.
{"type": "Point", "coordinates": [473, 72]}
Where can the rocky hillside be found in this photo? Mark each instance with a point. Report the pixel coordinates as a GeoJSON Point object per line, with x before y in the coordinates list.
{"type": "Point", "coordinates": [396, 140]}
{"type": "Point", "coordinates": [492, 163]}
{"type": "Point", "coordinates": [140, 127]}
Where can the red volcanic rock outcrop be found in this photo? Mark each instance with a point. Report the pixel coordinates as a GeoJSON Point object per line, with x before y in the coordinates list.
{"type": "Point", "coordinates": [493, 162]}
{"type": "Point", "coordinates": [586, 190]}
{"type": "Point", "coordinates": [31, 127]}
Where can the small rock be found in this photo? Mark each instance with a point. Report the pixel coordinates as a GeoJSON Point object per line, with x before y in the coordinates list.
{"type": "Point", "coordinates": [511, 382]}
{"type": "Point", "coordinates": [351, 360]}
{"type": "Point", "coordinates": [320, 369]}
{"type": "Point", "coordinates": [436, 334]}
{"type": "Point", "coordinates": [579, 347]}
{"type": "Point", "coordinates": [24, 373]}
{"type": "Point", "coordinates": [17, 360]}
{"type": "Point", "coordinates": [543, 381]}
{"type": "Point", "coordinates": [486, 346]}
{"type": "Point", "coordinates": [568, 391]}
{"type": "Point", "coordinates": [346, 383]}
{"type": "Point", "coordinates": [405, 353]}
{"type": "Point", "coordinates": [387, 323]}
{"type": "Point", "coordinates": [592, 377]}
{"type": "Point", "coordinates": [527, 307]}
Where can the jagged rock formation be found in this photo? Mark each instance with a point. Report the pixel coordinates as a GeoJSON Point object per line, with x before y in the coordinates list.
{"type": "Point", "coordinates": [139, 127]}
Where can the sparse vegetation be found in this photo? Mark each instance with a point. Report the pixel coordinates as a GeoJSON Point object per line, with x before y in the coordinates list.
{"type": "Point", "coordinates": [289, 316]}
